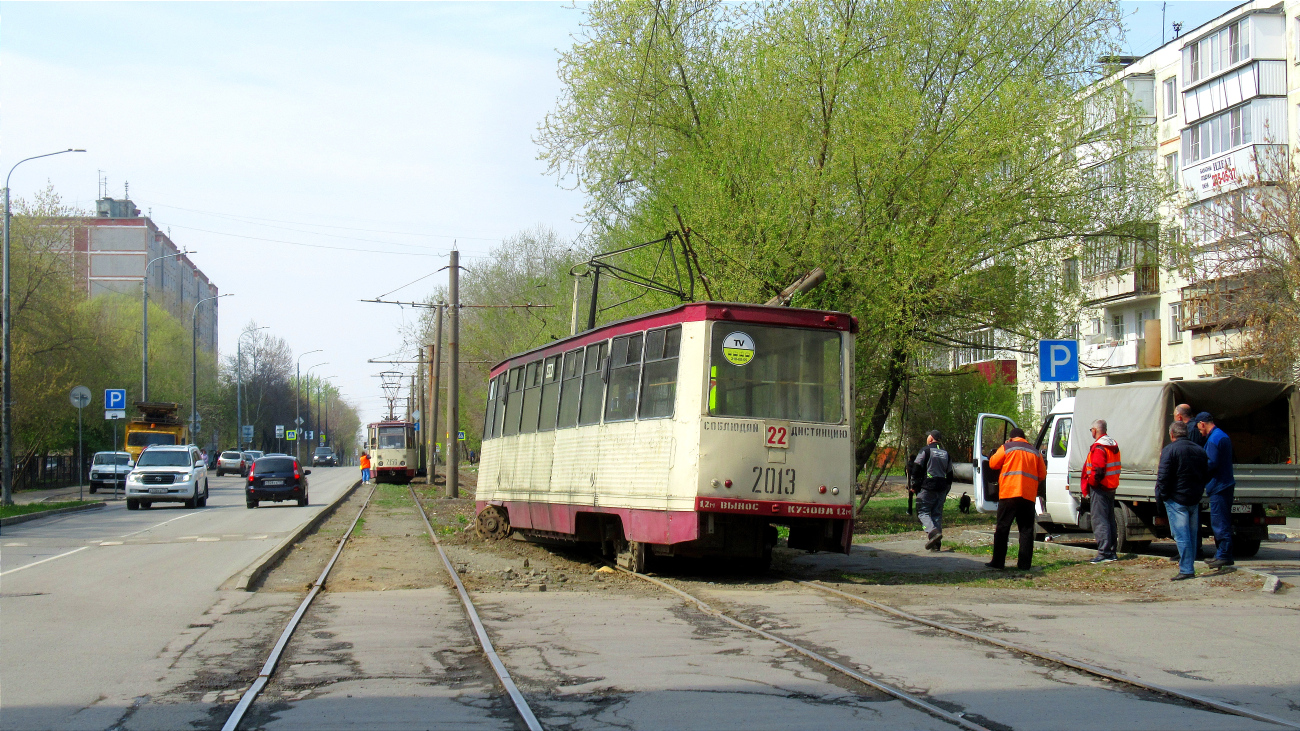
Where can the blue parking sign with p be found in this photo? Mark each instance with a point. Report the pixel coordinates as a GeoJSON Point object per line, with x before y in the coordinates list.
{"type": "Point", "coordinates": [114, 399]}
{"type": "Point", "coordinates": [1058, 360]}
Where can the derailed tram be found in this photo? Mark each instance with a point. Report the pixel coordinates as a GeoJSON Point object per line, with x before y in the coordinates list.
{"type": "Point", "coordinates": [693, 431]}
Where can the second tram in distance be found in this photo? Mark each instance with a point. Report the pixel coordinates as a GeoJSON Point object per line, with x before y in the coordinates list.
{"type": "Point", "coordinates": [394, 450]}
{"type": "Point", "coordinates": [692, 431]}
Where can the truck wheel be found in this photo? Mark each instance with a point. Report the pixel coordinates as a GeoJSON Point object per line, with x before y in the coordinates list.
{"type": "Point", "coordinates": [132, 504]}
{"type": "Point", "coordinates": [1124, 544]}
{"type": "Point", "coordinates": [1244, 547]}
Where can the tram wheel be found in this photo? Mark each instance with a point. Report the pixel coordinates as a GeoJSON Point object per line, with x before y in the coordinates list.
{"type": "Point", "coordinates": [492, 524]}
{"type": "Point", "coordinates": [635, 556]}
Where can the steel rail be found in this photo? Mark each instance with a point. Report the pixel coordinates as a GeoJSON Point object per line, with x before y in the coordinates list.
{"type": "Point", "coordinates": [521, 705]}
{"type": "Point", "coordinates": [264, 675]}
{"type": "Point", "coordinates": [1096, 670]}
{"type": "Point", "coordinates": [953, 718]}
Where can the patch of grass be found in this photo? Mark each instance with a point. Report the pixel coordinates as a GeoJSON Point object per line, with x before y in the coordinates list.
{"type": "Point", "coordinates": [462, 519]}
{"type": "Point", "coordinates": [361, 523]}
{"type": "Point", "coordinates": [889, 515]}
{"type": "Point", "coordinates": [392, 496]}
{"type": "Point", "coordinates": [9, 511]}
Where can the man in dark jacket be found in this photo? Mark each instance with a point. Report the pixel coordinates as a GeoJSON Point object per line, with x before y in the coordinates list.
{"type": "Point", "coordinates": [1184, 413]}
{"type": "Point", "coordinates": [1180, 483]}
{"type": "Point", "coordinates": [1219, 489]}
{"type": "Point", "coordinates": [932, 479]}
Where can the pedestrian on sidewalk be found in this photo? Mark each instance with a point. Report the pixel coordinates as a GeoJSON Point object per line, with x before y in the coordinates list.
{"type": "Point", "coordinates": [1180, 483]}
{"type": "Point", "coordinates": [1100, 480]}
{"type": "Point", "coordinates": [932, 471]}
{"type": "Point", "coordinates": [365, 468]}
{"type": "Point", "coordinates": [1219, 488]}
{"type": "Point", "coordinates": [1023, 470]}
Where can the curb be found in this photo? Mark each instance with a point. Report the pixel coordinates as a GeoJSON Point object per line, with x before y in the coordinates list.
{"type": "Point", "coordinates": [15, 520]}
{"type": "Point", "coordinates": [253, 573]}
{"type": "Point", "coordinates": [1272, 583]}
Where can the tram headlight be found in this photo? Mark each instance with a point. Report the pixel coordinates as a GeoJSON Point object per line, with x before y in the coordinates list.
{"type": "Point", "coordinates": [403, 464]}
{"type": "Point", "coordinates": [835, 491]}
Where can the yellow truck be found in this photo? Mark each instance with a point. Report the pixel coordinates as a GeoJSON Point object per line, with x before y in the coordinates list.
{"type": "Point", "coordinates": [156, 424]}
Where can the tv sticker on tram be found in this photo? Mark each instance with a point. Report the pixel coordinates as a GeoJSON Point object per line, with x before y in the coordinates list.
{"type": "Point", "coordinates": [738, 348]}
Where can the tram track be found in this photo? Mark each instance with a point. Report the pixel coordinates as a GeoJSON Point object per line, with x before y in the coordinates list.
{"type": "Point", "coordinates": [268, 668]}
{"type": "Point", "coordinates": [957, 718]}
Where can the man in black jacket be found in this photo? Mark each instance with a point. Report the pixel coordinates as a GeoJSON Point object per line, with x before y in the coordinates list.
{"type": "Point", "coordinates": [932, 479]}
{"type": "Point", "coordinates": [1180, 483]}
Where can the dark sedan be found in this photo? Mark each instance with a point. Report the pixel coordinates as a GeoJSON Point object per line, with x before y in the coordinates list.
{"type": "Point", "coordinates": [276, 479]}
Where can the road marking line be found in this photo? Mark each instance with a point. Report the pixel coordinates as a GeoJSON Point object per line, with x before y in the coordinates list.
{"type": "Point", "coordinates": [37, 563]}
{"type": "Point", "coordinates": [23, 544]}
{"type": "Point", "coordinates": [110, 543]}
{"type": "Point", "coordinates": [165, 522]}
{"type": "Point", "coordinates": [208, 539]}
{"type": "Point", "coordinates": [256, 538]}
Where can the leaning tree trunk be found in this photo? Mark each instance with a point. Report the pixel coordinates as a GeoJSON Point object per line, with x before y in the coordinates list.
{"type": "Point", "coordinates": [895, 373]}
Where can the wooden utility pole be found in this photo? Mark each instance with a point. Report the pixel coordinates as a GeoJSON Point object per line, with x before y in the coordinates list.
{"type": "Point", "coordinates": [453, 376]}
{"type": "Point", "coordinates": [435, 369]}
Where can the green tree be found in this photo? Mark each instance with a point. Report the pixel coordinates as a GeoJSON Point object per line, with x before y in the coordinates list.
{"type": "Point", "coordinates": [926, 155]}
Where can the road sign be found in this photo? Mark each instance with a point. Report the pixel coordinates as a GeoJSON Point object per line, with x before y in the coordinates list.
{"type": "Point", "coordinates": [291, 435]}
{"type": "Point", "coordinates": [279, 431]}
{"type": "Point", "coordinates": [80, 397]}
{"type": "Point", "coordinates": [1058, 360]}
{"type": "Point", "coordinates": [417, 426]}
{"type": "Point", "coordinates": [460, 436]}
{"type": "Point", "coordinates": [115, 399]}
{"type": "Point", "coordinates": [112, 414]}
{"type": "Point", "coordinates": [298, 420]}
{"type": "Point", "coordinates": [310, 435]}
{"type": "Point", "coordinates": [246, 432]}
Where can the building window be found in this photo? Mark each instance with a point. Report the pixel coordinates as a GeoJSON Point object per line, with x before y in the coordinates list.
{"type": "Point", "coordinates": [1142, 317]}
{"type": "Point", "coordinates": [1096, 326]}
{"type": "Point", "coordinates": [1047, 399]}
{"type": "Point", "coordinates": [1117, 328]}
{"type": "Point", "coordinates": [1072, 331]}
{"type": "Point", "coordinates": [1171, 96]}
{"type": "Point", "coordinates": [1217, 52]}
{"type": "Point", "coordinates": [981, 349]}
{"type": "Point", "coordinates": [1175, 322]}
{"type": "Point", "coordinates": [1026, 402]}
{"type": "Point", "coordinates": [1171, 168]}
{"type": "Point", "coordinates": [1070, 274]}
{"type": "Point", "coordinates": [1217, 134]}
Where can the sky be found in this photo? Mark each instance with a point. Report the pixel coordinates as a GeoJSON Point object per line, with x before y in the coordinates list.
{"type": "Point", "coordinates": [315, 155]}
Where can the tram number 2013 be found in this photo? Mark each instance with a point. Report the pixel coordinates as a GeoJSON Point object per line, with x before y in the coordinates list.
{"type": "Point", "coordinates": [773, 480]}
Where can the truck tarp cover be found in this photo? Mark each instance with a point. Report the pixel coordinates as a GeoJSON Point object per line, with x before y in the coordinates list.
{"type": "Point", "coordinates": [1138, 415]}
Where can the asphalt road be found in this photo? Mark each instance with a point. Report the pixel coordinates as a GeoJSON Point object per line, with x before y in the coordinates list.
{"type": "Point", "coordinates": [96, 606]}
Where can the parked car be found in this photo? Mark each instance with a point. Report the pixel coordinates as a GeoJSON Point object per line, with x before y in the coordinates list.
{"type": "Point", "coordinates": [276, 478]}
{"type": "Point", "coordinates": [108, 469]}
{"type": "Point", "coordinates": [168, 474]}
{"type": "Point", "coordinates": [232, 461]}
{"type": "Point", "coordinates": [325, 457]}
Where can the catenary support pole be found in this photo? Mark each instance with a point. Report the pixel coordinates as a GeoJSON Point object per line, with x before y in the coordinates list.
{"type": "Point", "coordinates": [423, 408]}
{"type": "Point", "coordinates": [453, 377]}
{"type": "Point", "coordinates": [573, 317]}
{"type": "Point", "coordinates": [435, 372]}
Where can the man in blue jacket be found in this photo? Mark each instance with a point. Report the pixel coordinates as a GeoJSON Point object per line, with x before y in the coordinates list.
{"type": "Point", "coordinates": [1220, 488]}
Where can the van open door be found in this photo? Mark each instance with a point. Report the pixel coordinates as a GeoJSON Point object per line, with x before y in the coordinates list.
{"type": "Point", "coordinates": [991, 432]}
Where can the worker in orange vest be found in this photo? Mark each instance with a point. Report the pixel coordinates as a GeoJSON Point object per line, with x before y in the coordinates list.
{"type": "Point", "coordinates": [1098, 484]}
{"type": "Point", "coordinates": [1022, 472]}
{"type": "Point", "coordinates": [365, 468]}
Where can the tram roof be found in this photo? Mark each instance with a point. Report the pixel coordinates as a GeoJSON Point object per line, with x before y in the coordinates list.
{"type": "Point", "coordinates": [390, 422]}
{"type": "Point", "coordinates": [693, 312]}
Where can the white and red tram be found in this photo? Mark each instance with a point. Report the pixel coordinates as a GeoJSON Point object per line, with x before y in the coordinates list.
{"type": "Point", "coordinates": [690, 431]}
{"type": "Point", "coordinates": [394, 451]}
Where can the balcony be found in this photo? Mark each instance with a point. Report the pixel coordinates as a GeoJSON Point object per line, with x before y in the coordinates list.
{"type": "Point", "coordinates": [1115, 286]}
{"type": "Point", "coordinates": [1112, 356]}
{"type": "Point", "coordinates": [1232, 170]}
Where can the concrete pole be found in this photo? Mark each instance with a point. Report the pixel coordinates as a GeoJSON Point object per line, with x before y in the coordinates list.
{"type": "Point", "coordinates": [453, 377]}
{"type": "Point", "coordinates": [435, 370]}
{"type": "Point", "coordinates": [573, 317]}
{"type": "Point", "coordinates": [239, 384]}
{"type": "Point", "coordinates": [423, 408]}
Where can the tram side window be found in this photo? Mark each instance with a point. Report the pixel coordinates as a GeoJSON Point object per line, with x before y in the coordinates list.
{"type": "Point", "coordinates": [570, 388]}
{"type": "Point", "coordinates": [489, 415]}
{"type": "Point", "coordinates": [502, 412]}
{"type": "Point", "coordinates": [659, 384]}
{"type": "Point", "coordinates": [532, 397]}
{"type": "Point", "coordinates": [550, 393]}
{"type": "Point", "coordinates": [514, 400]}
{"type": "Point", "coordinates": [593, 385]}
{"type": "Point", "coordinates": [624, 377]}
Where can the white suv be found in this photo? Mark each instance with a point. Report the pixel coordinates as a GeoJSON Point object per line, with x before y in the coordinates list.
{"type": "Point", "coordinates": [168, 474]}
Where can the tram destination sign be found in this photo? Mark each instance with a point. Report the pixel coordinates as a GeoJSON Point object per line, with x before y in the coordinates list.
{"type": "Point", "coordinates": [772, 507]}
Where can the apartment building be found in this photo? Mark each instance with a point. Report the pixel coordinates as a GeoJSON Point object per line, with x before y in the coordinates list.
{"type": "Point", "coordinates": [112, 249]}
{"type": "Point", "coordinates": [1214, 106]}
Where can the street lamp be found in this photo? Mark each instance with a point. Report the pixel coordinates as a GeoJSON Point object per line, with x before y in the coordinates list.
{"type": "Point", "coordinates": [308, 419]}
{"type": "Point", "coordinates": [239, 384]}
{"type": "Point", "coordinates": [320, 388]}
{"type": "Point", "coordinates": [194, 363]}
{"type": "Point", "coordinates": [6, 353]}
{"type": "Point", "coordinates": [297, 392]}
{"type": "Point", "coordinates": [144, 369]}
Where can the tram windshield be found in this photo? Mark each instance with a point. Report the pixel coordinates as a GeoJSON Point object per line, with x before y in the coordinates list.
{"type": "Point", "coordinates": [392, 437]}
{"type": "Point", "coordinates": [767, 372]}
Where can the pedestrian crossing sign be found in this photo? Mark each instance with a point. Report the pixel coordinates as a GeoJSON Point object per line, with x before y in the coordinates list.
{"type": "Point", "coordinates": [291, 435]}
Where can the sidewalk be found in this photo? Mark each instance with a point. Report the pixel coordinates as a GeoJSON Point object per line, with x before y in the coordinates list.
{"type": "Point", "coordinates": [61, 494]}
